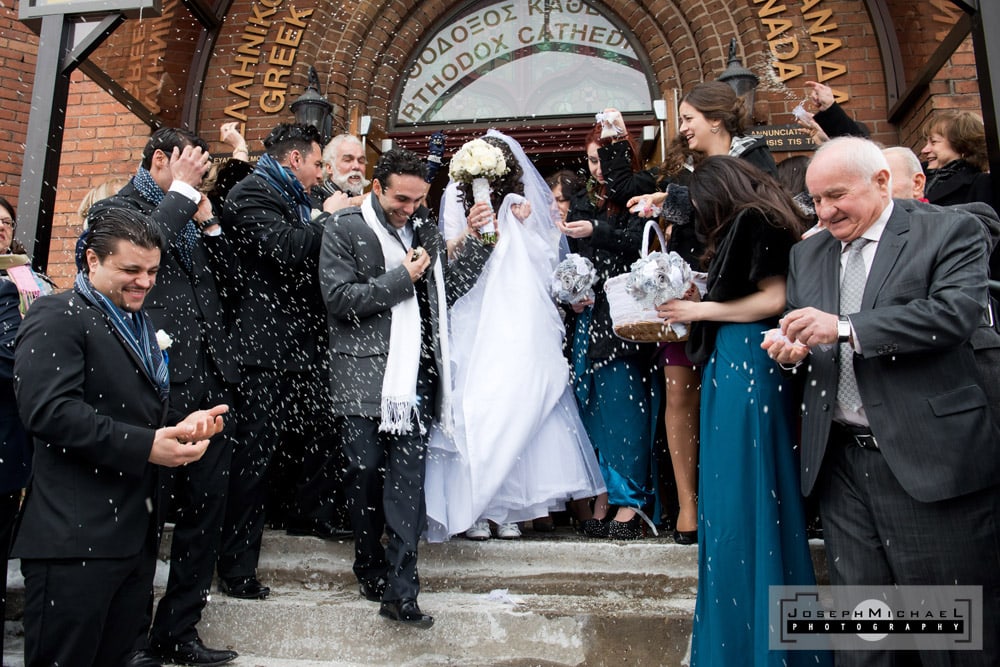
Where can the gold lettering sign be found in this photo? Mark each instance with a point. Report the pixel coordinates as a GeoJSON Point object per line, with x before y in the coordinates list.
{"type": "Point", "coordinates": [255, 50]}
{"type": "Point", "coordinates": [145, 71]}
{"type": "Point", "coordinates": [785, 47]}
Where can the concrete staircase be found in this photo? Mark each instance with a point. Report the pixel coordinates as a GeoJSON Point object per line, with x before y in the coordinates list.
{"type": "Point", "coordinates": [546, 599]}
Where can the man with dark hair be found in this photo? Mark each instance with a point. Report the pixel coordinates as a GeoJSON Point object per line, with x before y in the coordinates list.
{"type": "Point", "coordinates": [386, 321]}
{"type": "Point", "coordinates": [285, 407]}
{"type": "Point", "coordinates": [199, 273]}
{"type": "Point", "coordinates": [96, 402]}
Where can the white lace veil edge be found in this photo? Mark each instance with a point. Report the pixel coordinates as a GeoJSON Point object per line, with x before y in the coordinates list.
{"type": "Point", "coordinates": [539, 195]}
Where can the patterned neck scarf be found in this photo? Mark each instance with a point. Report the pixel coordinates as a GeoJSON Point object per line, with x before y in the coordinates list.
{"type": "Point", "coordinates": [284, 181]}
{"type": "Point", "coordinates": [147, 187]}
{"type": "Point", "coordinates": [135, 330]}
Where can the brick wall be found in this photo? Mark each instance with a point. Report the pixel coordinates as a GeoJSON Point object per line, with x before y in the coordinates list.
{"type": "Point", "coordinates": [362, 57]}
{"type": "Point", "coordinates": [361, 51]}
{"type": "Point", "coordinates": [955, 87]}
{"type": "Point", "coordinates": [18, 47]}
{"type": "Point", "coordinates": [103, 140]}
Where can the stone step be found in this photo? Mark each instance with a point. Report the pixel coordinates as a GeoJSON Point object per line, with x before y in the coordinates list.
{"type": "Point", "coordinates": [546, 599]}
{"type": "Point", "coordinates": [557, 600]}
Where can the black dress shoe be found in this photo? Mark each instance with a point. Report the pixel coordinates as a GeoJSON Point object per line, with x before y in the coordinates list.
{"type": "Point", "coordinates": [372, 590]}
{"type": "Point", "coordinates": [325, 530]}
{"type": "Point", "coordinates": [244, 588]}
{"type": "Point", "coordinates": [193, 652]}
{"type": "Point", "coordinates": [686, 536]}
{"type": "Point", "coordinates": [406, 611]}
{"type": "Point", "coordinates": [143, 658]}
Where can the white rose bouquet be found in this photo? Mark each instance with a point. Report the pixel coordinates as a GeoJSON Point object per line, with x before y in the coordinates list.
{"type": "Point", "coordinates": [659, 277]}
{"type": "Point", "coordinates": [573, 279]}
{"type": "Point", "coordinates": [477, 163]}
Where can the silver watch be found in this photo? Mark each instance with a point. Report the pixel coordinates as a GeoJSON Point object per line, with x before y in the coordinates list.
{"type": "Point", "coordinates": [843, 329]}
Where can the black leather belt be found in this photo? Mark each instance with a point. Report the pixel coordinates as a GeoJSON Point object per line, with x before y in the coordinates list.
{"type": "Point", "coordinates": [861, 436]}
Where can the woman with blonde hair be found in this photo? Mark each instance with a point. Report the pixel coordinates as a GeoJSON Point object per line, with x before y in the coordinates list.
{"type": "Point", "coordinates": [99, 192]}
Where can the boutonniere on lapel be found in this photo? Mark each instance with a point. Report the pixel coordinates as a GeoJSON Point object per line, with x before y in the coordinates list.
{"type": "Point", "coordinates": [164, 341]}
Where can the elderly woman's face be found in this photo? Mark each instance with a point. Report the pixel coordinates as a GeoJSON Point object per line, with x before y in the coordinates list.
{"type": "Point", "coordinates": [938, 152]}
{"type": "Point", "coordinates": [6, 229]}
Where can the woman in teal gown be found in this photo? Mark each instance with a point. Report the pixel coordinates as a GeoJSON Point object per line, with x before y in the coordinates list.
{"type": "Point", "coordinates": [751, 523]}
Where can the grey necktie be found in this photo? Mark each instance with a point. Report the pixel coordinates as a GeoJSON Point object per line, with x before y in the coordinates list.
{"type": "Point", "coordinates": [852, 287]}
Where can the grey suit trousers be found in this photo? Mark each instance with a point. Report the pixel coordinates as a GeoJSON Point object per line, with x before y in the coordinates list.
{"type": "Point", "coordinates": [877, 532]}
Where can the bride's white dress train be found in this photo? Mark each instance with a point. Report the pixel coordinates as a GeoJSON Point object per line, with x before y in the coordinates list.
{"type": "Point", "coordinates": [518, 449]}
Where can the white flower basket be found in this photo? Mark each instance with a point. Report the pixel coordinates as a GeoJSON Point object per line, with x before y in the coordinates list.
{"type": "Point", "coordinates": [630, 319]}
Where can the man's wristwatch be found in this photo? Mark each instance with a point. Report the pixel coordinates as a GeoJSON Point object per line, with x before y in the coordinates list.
{"type": "Point", "coordinates": [206, 223]}
{"type": "Point", "coordinates": [843, 329]}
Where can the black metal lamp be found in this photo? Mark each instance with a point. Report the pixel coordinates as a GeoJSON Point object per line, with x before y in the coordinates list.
{"type": "Point", "coordinates": [740, 79]}
{"type": "Point", "coordinates": [311, 108]}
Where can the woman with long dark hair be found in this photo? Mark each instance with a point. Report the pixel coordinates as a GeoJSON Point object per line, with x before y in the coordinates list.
{"type": "Point", "coordinates": [714, 121]}
{"type": "Point", "coordinates": [751, 523]}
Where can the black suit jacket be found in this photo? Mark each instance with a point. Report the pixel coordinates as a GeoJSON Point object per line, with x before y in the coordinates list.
{"type": "Point", "coordinates": [190, 305]}
{"type": "Point", "coordinates": [282, 317]}
{"type": "Point", "coordinates": [917, 375]}
{"type": "Point", "coordinates": [15, 453]}
{"type": "Point", "coordinates": [93, 412]}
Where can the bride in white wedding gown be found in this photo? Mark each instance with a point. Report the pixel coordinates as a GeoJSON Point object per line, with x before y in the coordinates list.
{"type": "Point", "coordinates": [517, 449]}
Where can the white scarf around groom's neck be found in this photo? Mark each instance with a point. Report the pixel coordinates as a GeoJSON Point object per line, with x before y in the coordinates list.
{"type": "Point", "coordinates": [398, 404]}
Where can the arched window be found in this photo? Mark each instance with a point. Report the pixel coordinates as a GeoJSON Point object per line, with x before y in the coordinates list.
{"type": "Point", "coordinates": [524, 59]}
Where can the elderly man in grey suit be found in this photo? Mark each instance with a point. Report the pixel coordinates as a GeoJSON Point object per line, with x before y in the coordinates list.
{"type": "Point", "coordinates": [898, 442]}
{"type": "Point", "coordinates": [386, 286]}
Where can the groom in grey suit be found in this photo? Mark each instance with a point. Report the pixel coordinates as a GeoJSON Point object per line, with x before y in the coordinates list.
{"type": "Point", "coordinates": [907, 480]}
{"type": "Point", "coordinates": [376, 260]}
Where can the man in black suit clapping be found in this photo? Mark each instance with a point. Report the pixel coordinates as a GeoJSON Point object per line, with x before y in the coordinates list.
{"type": "Point", "coordinates": [198, 278]}
{"type": "Point", "coordinates": [92, 389]}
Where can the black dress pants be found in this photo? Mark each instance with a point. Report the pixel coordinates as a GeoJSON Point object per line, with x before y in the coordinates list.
{"type": "Point", "coordinates": [276, 409]}
{"type": "Point", "coordinates": [199, 492]}
{"type": "Point", "coordinates": [877, 534]}
{"type": "Point", "coordinates": [9, 505]}
{"type": "Point", "coordinates": [83, 613]}
{"type": "Point", "coordinates": [384, 483]}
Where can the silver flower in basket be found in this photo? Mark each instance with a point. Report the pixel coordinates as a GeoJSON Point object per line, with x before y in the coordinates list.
{"type": "Point", "coordinates": [658, 277]}
{"type": "Point", "coordinates": [573, 279]}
